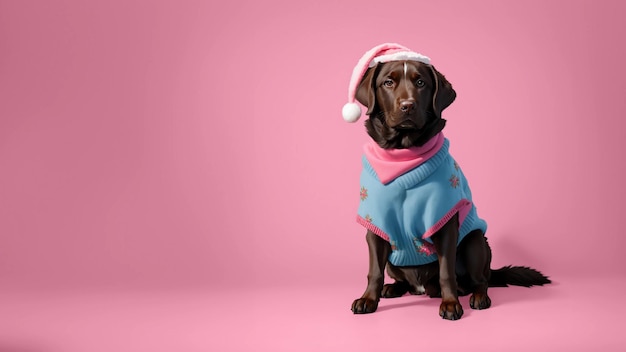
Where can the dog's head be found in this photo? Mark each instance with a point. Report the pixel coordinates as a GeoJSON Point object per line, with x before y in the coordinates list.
{"type": "Point", "coordinates": [404, 100]}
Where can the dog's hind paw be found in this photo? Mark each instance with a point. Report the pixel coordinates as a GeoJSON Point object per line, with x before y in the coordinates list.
{"type": "Point", "coordinates": [364, 305]}
{"type": "Point", "coordinates": [397, 289]}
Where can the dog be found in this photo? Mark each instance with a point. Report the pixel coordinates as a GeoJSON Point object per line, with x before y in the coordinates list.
{"type": "Point", "coordinates": [427, 248]}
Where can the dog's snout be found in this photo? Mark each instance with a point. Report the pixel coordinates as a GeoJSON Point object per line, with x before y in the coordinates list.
{"type": "Point", "coordinates": [407, 105]}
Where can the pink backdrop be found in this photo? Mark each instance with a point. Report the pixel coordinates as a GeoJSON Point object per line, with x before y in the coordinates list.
{"type": "Point", "coordinates": [195, 144]}
{"type": "Point", "coordinates": [187, 143]}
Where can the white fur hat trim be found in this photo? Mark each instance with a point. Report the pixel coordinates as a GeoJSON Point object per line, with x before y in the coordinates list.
{"type": "Point", "coordinates": [400, 56]}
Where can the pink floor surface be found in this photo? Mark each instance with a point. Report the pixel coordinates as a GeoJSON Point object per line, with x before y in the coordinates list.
{"type": "Point", "coordinates": [572, 314]}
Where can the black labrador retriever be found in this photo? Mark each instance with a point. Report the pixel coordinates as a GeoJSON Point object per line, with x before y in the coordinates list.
{"type": "Point", "coordinates": [405, 100]}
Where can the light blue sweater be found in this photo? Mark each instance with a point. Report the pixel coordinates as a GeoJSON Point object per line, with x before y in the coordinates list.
{"type": "Point", "coordinates": [415, 205]}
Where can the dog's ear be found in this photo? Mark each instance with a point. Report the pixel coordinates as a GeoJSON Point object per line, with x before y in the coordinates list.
{"type": "Point", "coordinates": [366, 93]}
{"type": "Point", "coordinates": [444, 95]}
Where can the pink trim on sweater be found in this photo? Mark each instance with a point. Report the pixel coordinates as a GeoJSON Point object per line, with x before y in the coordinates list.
{"type": "Point", "coordinates": [375, 229]}
{"type": "Point", "coordinates": [392, 163]}
{"type": "Point", "coordinates": [463, 207]}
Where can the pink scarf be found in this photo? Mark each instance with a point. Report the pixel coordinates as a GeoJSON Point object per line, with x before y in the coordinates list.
{"type": "Point", "coordinates": [391, 163]}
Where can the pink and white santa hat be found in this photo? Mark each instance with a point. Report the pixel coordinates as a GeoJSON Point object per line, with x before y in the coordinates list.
{"type": "Point", "coordinates": [382, 53]}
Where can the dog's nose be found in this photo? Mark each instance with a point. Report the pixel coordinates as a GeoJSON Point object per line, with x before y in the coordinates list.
{"type": "Point", "coordinates": [407, 106]}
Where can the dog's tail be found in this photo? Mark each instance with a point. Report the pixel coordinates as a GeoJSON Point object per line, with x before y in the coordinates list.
{"type": "Point", "coordinates": [517, 276]}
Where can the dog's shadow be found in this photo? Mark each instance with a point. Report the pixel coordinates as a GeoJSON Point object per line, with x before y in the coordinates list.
{"type": "Point", "coordinates": [500, 296]}
{"type": "Point", "coordinates": [408, 300]}
{"type": "Point", "coordinates": [515, 294]}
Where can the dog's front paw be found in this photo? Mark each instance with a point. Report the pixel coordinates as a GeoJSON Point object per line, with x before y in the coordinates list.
{"type": "Point", "coordinates": [479, 301]}
{"type": "Point", "coordinates": [450, 310]}
{"type": "Point", "coordinates": [364, 305]}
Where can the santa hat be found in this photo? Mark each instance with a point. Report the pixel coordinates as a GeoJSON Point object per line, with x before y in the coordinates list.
{"type": "Point", "coordinates": [382, 53]}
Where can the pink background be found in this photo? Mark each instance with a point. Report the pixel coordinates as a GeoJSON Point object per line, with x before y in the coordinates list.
{"type": "Point", "coordinates": [198, 148]}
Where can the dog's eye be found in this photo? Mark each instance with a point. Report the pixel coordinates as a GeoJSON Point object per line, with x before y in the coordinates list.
{"type": "Point", "coordinates": [388, 83]}
{"type": "Point", "coordinates": [420, 83]}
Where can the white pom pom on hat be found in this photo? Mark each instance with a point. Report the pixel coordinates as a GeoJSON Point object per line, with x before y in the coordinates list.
{"type": "Point", "coordinates": [386, 52]}
{"type": "Point", "coordinates": [351, 112]}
